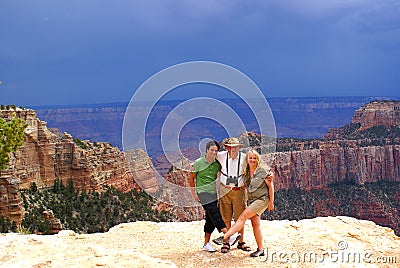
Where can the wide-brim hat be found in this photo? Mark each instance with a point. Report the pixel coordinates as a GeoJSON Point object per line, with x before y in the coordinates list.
{"type": "Point", "coordinates": [232, 142]}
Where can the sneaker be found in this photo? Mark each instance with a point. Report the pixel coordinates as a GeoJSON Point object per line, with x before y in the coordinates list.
{"type": "Point", "coordinates": [219, 240]}
{"type": "Point", "coordinates": [208, 247]}
{"type": "Point", "coordinates": [234, 238]}
{"type": "Point", "coordinates": [257, 253]}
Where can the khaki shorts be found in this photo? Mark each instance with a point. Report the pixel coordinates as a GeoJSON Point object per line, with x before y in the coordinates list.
{"type": "Point", "coordinates": [258, 206]}
{"type": "Point", "coordinates": [231, 203]}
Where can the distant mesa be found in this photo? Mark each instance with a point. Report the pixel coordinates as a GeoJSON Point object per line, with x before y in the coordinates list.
{"type": "Point", "coordinates": [374, 114]}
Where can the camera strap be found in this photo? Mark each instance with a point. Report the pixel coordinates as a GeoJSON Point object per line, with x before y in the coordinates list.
{"type": "Point", "coordinates": [238, 167]}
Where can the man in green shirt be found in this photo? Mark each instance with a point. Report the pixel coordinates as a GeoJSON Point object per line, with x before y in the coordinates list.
{"type": "Point", "coordinates": [202, 181]}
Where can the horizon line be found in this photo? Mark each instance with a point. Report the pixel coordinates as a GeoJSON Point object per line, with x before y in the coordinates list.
{"type": "Point", "coordinates": [126, 103]}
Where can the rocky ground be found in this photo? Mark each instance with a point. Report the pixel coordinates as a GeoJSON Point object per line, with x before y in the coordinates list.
{"type": "Point", "coordinates": [319, 242]}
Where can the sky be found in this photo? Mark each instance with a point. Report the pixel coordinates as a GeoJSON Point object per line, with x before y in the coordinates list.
{"type": "Point", "coordinates": [70, 52]}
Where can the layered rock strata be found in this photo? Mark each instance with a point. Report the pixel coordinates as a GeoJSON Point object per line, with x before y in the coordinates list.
{"type": "Point", "coordinates": [141, 168]}
{"type": "Point", "coordinates": [11, 204]}
{"type": "Point", "coordinates": [378, 113]}
{"type": "Point", "coordinates": [46, 156]}
{"type": "Point", "coordinates": [55, 225]}
{"type": "Point", "coordinates": [315, 164]}
{"type": "Point", "coordinates": [335, 163]}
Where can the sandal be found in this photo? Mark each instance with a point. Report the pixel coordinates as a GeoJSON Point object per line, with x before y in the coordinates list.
{"type": "Point", "coordinates": [243, 246]}
{"type": "Point", "coordinates": [225, 248]}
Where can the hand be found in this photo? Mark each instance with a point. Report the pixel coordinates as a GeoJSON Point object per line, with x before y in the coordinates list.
{"type": "Point", "coordinates": [271, 206]}
{"type": "Point", "coordinates": [195, 196]}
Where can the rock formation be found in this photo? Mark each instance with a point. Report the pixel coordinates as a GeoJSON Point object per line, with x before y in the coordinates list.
{"type": "Point", "coordinates": [101, 123]}
{"type": "Point", "coordinates": [177, 191]}
{"type": "Point", "coordinates": [335, 163]}
{"type": "Point", "coordinates": [141, 169]}
{"type": "Point", "coordinates": [315, 164]}
{"type": "Point", "coordinates": [46, 156]}
{"type": "Point", "coordinates": [295, 117]}
{"type": "Point", "coordinates": [55, 224]}
{"type": "Point", "coordinates": [378, 113]}
{"type": "Point", "coordinates": [11, 204]}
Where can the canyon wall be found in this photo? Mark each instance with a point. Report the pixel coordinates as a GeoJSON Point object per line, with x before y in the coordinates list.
{"type": "Point", "coordinates": [335, 163]}
{"type": "Point", "coordinates": [316, 164]}
{"type": "Point", "coordinates": [335, 158]}
{"type": "Point", "coordinates": [96, 123]}
{"type": "Point", "coordinates": [46, 156]}
{"type": "Point", "coordinates": [11, 205]}
{"type": "Point", "coordinates": [294, 117]}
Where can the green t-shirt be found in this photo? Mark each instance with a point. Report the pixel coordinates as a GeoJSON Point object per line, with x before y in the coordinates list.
{"type": "Point", "coordinates": [206, 174]}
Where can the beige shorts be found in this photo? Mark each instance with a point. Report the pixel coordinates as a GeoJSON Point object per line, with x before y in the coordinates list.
{"type": "Point", "coordinates": [258, 206]}
{"type": "Point", "coordinates": [231, 203]}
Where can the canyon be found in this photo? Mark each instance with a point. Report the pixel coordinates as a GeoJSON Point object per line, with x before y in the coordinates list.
{"type": "Point", "coordinates": [294, 117]}
{"type": "Point", "coordinates": [49, 154]}
{"type": "Point", "coordinates": [313, 165]}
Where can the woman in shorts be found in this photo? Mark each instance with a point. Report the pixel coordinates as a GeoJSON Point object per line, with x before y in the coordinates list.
{"type": "Point", "coordinates": [260, 192]}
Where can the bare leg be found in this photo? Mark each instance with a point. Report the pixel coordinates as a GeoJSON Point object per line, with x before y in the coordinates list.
{"type": "Point", "coordinates": [207, 237]}
{"type": "Point", "coordinates": [239, 224]}
{"type": "Point", "coordinates": [256, 224]}
{"type": "Point", "coordinates": [241, 232]}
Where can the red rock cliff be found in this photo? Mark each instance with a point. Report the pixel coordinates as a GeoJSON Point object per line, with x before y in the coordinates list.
{"type": "Point", "coordinates": [46, 156]}
{"type": "Point", "coordinates": [333, 163]}
{"type": "Point", "coordinates": [378, 113]}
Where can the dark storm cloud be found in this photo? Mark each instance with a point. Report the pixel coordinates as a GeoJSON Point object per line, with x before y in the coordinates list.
{"type": "Point", "coordinates": [92, 51]}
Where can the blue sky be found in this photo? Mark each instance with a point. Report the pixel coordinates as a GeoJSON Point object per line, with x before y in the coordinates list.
{"type": "Point", "coordinates": [97, 51]}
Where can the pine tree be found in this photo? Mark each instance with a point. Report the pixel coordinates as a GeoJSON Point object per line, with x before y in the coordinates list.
{"type": "Point", "coordinates": [11, 138]}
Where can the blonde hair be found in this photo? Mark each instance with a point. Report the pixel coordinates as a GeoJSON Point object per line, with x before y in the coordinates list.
{"type": "Point", "coordinates": [246, 167]}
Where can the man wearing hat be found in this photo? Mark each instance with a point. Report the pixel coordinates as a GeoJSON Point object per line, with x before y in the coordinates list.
{"type": "Point", "coordinates": [232, 197]}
